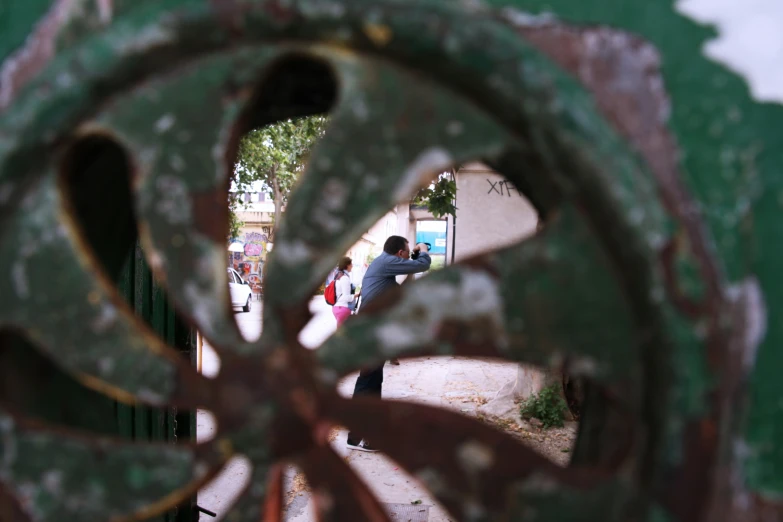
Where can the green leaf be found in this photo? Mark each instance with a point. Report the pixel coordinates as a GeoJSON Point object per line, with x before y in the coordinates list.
{"type": "Point", "coordinates": [439, 197]}
{"type": "Point", "coordinates": [547, 406]}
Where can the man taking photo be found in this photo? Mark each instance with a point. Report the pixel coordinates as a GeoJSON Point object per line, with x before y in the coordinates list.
{"type": "Point", "coordinates": [395, 260]}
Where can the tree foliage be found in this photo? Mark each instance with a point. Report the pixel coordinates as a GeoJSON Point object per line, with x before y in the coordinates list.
{"type": "Point", "coordinates": [234, 223]}
{"type": "Point", "coordinates": [274, 155]}
{"type": "Point", "coordinates": [440, 196]}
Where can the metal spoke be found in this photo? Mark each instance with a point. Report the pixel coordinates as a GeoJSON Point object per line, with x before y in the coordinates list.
{"type": "Point", "coordinates": [58, 475]}
{"type": "Point", "coordinates": [10, 509]}
{"type": "Point", "coordinates": [473, 470]}
{"type": "Point", "coordinates": [390, 133]}
{"type": "Point", "coordinates": [182, 181]}
{"type": "Point", "coordinates": [338, 494]}
{"type": "Point", "coordinates": [72, 312]}
{"type": "Point", "coordinates": [251, 504]}
{"type": "Point", "coordinates": [274, 505]}
{"type": "Point", "coordinates": [504, 304]}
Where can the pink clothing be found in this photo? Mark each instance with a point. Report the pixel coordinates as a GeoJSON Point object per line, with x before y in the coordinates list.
{"type": "Point", "coordinates": [341, 313]}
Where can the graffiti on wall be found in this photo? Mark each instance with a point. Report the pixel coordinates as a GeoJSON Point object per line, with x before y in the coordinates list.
{"type": "Point", "coordinates": [502, 187]}
{"type": "Point", "coordinates": [251, 259]}
{"type": "Point", "coordinates": [235, 259]}
{"type": "Point", "coordinates": [255, 247]}
{"type": "Point", "coordinates": [255, 244]}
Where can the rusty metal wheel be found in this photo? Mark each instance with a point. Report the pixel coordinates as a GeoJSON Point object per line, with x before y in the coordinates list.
{"type": "Point", "coordinates": [413, 87]}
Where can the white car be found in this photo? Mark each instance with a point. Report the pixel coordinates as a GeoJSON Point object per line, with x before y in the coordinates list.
{"type": "Point", "coordinates": [239, 291]}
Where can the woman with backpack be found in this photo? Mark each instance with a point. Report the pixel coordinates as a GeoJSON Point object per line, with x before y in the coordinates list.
{"type": "Point", "coordinates": [344, 291]}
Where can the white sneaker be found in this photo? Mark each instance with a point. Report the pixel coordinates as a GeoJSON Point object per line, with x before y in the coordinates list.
{"type": "Point", "coordinates": [362, 446]}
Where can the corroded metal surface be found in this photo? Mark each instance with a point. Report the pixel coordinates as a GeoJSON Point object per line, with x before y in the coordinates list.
{"type": "Point", "coordinates": [622, 287]}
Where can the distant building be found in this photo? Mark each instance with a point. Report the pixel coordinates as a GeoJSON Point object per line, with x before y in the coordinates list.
{"type": "Point", "coordinates": [257, 214]}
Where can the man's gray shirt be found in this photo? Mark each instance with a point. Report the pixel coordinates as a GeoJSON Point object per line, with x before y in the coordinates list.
{"type": "Point", "coordinates": [381, 275]}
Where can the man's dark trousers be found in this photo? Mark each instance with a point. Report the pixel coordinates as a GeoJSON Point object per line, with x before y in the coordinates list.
{"type": "Point", "coordinates": [368, 383]}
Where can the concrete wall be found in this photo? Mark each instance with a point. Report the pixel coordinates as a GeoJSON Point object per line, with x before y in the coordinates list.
{"type": "Point", "coordinates": [490, 212]}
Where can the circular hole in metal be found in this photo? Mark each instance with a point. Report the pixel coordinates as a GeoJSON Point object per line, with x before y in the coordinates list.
{"type": "Point", "coordinates": [96, 177]}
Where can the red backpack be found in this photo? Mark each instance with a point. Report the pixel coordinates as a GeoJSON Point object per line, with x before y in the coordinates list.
{"type": "Point", "coordinates": [330, 293]}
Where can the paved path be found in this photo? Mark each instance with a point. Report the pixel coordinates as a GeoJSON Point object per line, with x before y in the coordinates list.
{"type": "Point", "coordinates": [445, 382]}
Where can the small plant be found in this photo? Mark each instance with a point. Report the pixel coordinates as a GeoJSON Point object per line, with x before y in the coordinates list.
{"type": "Point", "coordinates": [547, 406]}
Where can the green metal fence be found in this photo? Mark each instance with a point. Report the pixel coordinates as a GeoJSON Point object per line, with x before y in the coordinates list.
{"type": "Point", "coordinates": [141, 423]}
